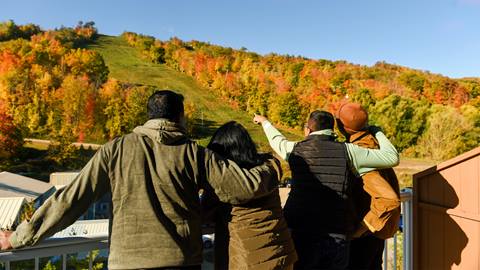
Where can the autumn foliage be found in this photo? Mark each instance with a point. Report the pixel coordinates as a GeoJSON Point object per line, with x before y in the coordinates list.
{"type": "Point", "coordinates": [52, 86]}
{"type": "Point", "coordinates": [48, 85]}
{"type": "Point", "coordinates": [287, 88]}
{"type": "Point", "coordinates": [10, 137]}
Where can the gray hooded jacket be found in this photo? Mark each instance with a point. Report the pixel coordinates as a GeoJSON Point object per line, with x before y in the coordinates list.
{"type": "Point", "coordinates": [154, 175]}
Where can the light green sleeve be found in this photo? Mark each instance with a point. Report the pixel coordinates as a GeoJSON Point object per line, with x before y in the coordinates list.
{"type": "Point", "coordinates": [278, 142]}
{"type": "Point", "coordinates": [366, 160]}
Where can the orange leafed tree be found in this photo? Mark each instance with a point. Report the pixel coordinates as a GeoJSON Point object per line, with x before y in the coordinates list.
{"type": "Point", "coordinates": [10, 137]}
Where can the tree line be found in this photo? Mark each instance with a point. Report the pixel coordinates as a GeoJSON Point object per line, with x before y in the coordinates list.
{"type": "Point", "coordinates": [426, 115]}
{"type": "Point", "coordinates": [51, 86]}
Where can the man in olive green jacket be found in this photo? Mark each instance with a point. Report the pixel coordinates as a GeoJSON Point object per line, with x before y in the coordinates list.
{"type": "Point", "coordinates": [154, 175]}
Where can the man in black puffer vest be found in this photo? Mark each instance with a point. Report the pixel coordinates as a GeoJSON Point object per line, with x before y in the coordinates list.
{"type": "Point", "coordinates": [319, 209]}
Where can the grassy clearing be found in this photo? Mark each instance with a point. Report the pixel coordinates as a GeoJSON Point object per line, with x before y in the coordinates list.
{"type": "Point", "coordinates": [408, 167]}
{"type": "Point", "coordinates": [36, 145]}
{"type": "Point", "coordinates": [126, 64]}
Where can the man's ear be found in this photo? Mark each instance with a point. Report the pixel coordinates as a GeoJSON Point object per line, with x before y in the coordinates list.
{"type": "Point", "coordinates": [307, 131]}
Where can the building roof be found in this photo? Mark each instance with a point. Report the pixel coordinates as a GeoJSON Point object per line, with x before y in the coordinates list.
{"type": "Point", "coordinates": [10, 209]}
{"type": "Point", "coordinates": [14, 185]}
{"type": "Point", "coordinates": [85, 228]}
{"type": "Point", "coordinates": [62, 178]}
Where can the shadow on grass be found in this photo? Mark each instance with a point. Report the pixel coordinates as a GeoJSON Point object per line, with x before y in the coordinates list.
{"type": "Point", "coordinates": [202, 128]}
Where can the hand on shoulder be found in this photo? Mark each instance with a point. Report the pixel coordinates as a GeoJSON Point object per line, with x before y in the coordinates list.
{"type": "Point", "coordinates": [374, 129]}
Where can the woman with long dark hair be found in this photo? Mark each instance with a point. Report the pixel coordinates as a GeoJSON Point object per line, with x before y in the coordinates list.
{"type": "Point", "coordinates": [255, 234]}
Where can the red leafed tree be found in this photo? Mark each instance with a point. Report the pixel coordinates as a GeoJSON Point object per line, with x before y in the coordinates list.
{"type": "Point", "coordinates": [10, 137]}
{"type": "Point", "coordinates": [460, 96]}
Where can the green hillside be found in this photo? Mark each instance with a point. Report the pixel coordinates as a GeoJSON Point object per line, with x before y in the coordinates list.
{"type": "Point", "coordinates": [126, 65]}
{"type": "Point", "coordinates": [67, 96]}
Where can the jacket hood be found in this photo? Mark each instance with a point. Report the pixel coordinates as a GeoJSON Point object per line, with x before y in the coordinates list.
{"type": "Point", "coordinates": [162, 130]}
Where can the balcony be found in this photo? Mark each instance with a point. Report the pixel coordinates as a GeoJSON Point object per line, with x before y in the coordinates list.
{"type": "Point", "coordinates": [84, 245]}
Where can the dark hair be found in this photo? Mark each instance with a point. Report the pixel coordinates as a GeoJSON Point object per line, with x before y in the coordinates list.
{"type": "Point", "coordinates": [165, 104]}
{"type": "Point", "coordinates": [232, 141]}
{"type": "Point", "coordinates": [319, 120]}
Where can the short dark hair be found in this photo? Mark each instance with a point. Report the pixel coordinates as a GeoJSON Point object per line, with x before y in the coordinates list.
{"type": "Point", "coordinates": [319, 120]}
{"type": "Point", "coordinates": [232, 141]}
{"type": "Point", "coordinates": [165, 104]}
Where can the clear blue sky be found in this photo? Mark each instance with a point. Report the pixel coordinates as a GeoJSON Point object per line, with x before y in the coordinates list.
{"type": "Point", "coordinates": [442, 36]}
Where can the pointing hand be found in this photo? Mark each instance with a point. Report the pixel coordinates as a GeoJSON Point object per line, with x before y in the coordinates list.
{"type": "Point", "coordinates": [259, 119]}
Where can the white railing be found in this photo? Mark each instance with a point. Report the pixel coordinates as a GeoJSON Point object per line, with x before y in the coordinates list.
{"type": "Point", "coordinates": [56, 247]}
{"type": "Point", "coordinates": [405, 236]}
{"type": "Point", "coordinates": [69, 245]}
